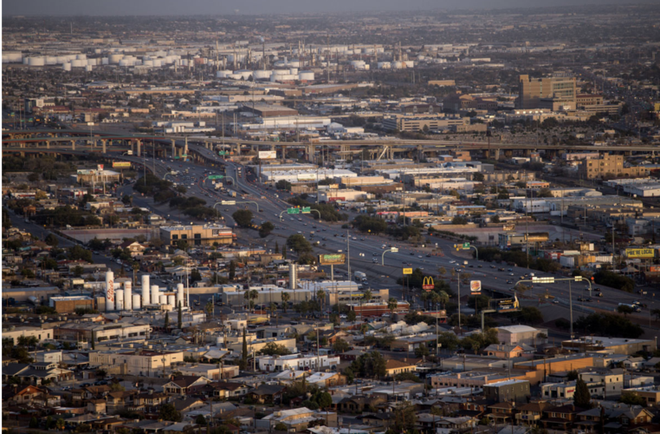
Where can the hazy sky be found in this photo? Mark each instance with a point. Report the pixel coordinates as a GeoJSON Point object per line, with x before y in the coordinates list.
{"type": "Point", "coordinates": [219, 7]}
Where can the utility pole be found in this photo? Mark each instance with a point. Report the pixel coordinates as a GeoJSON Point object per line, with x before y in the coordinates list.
{"type": "Point", "coordinates": [458, 279]}
{"type": "Point", "coordinates": [570, 307]}
{"type": "Point", "coordinates": [348, 252]}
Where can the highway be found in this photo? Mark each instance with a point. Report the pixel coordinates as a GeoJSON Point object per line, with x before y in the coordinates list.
{"type": "Point", "coordinates": [365, 248]}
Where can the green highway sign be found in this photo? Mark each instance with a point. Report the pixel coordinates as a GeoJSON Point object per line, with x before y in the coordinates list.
{"type": "Point", "coordinates": [306, 210]}
{"type": "Point", "coordinates": [216, 176]}
{"type": "Point", "coordinates": [293, 211]}
{"type": "Point", "coordinates": [466, 245]}
{"type": "Point", "coordinates": [222, 153]}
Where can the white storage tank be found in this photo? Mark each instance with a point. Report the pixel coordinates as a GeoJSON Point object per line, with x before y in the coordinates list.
{"type": "Point", "coordinates": [171, 300]}
{"type": "Point", "coordinates": [397, 65]}
{"type": "Point", "coordinates": [12, 57]}
{"type": "Point", "coordinates": [306, 76]}
{"type": "Point", "coordinates": [409, 63]}
{"type": "Point", "coordinates": [145, 290]}
{"type": "Point", "coordinates": [36, 61]}
{"type": "Point", "coordinates": [128, 295]}
{"type": "Point", "coordinates": [162, 300]}
{"type": "Point", "coordinates": [105, 61]}
{"type": "Point", "coordinates": [93, 62]}
{"type": "Point", "coordinates": [88, 68]}
{"type": "Point", "coordinates": [293, 71]}
{"type": "Point", "coordinates": [223, 74]}
{"type": "Point", "coordinates": [51, 60]}
{"type": "Point", "coordinates": [137, 302]}
{"type": "Point", "coordinates": [119, 305]}
{"type": "Point", "coordinates": [81, 56]}
{"type": "Point", "coordinates": [180, 294]}
{"type": "Point", "coordinates": [155, 294]}
{"type": "Point", "coordinates": [66, 67]}
{"type": "Point", "coordinates": [109, 291]}
{"type": "Point", "coordinates": [78, 63]}
{"type": "Point", "coordinates": [115, 58]}
{"type": "Point", "coordinates": [262, 74]}
{"type": "Point", "coordinates": [384, 65]}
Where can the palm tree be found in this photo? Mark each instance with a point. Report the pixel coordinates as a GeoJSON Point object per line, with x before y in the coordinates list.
{"type": "Point", "coordinates": [367, 296]}
{"type": "Point", "coordinates": [252, 295]}
{"type": "Point", "coordinates": [285, 300]}
{"type": "Point", "coordinates": [320, 297]}
{"type": "Point", "coordinates": [272, 307]}
{"type": "Point", "coordinates": [442, 270]}
{"type": "Point", "coordinates": [392, 304]}
{"type": "Point", "coordinates": [443, 298]}
{"type": "Point", "coordinates": [209, 308]}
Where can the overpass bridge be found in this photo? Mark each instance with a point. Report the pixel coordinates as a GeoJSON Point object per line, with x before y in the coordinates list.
{"type": "Point", "coordinates": [177, 146]}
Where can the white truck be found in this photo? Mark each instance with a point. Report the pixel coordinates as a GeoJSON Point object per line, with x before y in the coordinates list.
{"type": "Point", "coordinates": [360, 276]}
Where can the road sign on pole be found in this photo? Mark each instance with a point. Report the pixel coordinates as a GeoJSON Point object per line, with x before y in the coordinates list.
{"type": "Point", "coordinates": [228, 202]}
{"type": "Point", "coordinates": [306, 210]}
{"type": "Point", "coordinates": [216, 176]}
{"type": "Point", "coordinates": [293, 211]}
{"type": "Point", "coordinates": [466, 245]}
{"type": "Point", "coordinates": [407, 271]}
{"type": "Point", "coordinates": [394, 249]}
{"type": "Point", "coordinates": [475, 287]}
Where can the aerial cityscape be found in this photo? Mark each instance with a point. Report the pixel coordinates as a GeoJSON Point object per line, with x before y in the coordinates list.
{"type": "Point", "coordinates": [295, 217]}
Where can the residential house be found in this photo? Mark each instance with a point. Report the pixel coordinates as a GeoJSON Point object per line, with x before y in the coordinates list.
{"type": "Point", "coordinates": [96, 406]}
{"type": "Point", "coordinates": [136, 249]}
{"type": "Point", "coordinates": [297, 419]}
{"type": "Point", "coordinates": [561, 417]}
{"type": "Point", "coordinates": [267, 393]}
{"type": "Point", "coordinates": [530, 414]}
{"type": "Point", "coordinates": [360, 404]}
{"type": "Point", "coordinates": [507, 352]}
{"type": "Point", "coordinates": [502, 412]}
{"type": "Point", "coordinates": [227, 389]}
{"type": "Point", "coordinates": [395, 367]}
{"type": "Point", "coordinates": [186, 385]}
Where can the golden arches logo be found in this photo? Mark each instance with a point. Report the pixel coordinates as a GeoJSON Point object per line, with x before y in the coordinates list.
{"type": "Point", "coordinates": [428, 283]}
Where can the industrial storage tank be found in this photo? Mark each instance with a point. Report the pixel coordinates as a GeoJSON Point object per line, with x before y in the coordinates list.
{"type": "Point", "coordinates": [36, 61]}
{"type": "Point", "coordinates": [136, 302]}
{"type": "Point", "coordinates": [51, 60]}
{"type": "Point", "coordinates": [12, 57]}
{"type": "Point", "coordinates": [92, 62]}
{"type": "Point", "coordinates": [171, 300]}
{"type": "Point", "coordinates": [109, 291]}
{"type": "Point", "coordinates": [88, 68]}
{"type": "Point", "coordinates": [397, 65]}
{"type": "Point", "coordinates": [145, 289]}
{"type": "Point", "coordinates": [155, 294]}
{"type": "Point", "coordinates": [262, 74]}
{"type": "Point", "coordinates": [293, 71]}
{"type": "Point", "coordinates": [128, 295]}
{"type": "Point", "coordinates": [223, 74]}
{"type": "Point", "coordinates": [81, 56]}
{"type": "Point", "coordinates": [384, 65]}
{"type": "Point", "coordinates": [66, 67]}
{"type": "Point", "coordinates": [78, 63]}
{"type": "Point", "coordinates": [409, 63]}
{"type": "Point", "coordinates": [179, 295]}
{"type": "Point", "coordinates": [115, 58]}
{"type": "Point", "coordinates": [162, 300]}
{"type": "Point", "coordinates": [358, 64]}
{"type": "Point", "coordinates": [119, 295]}
{"type": "Point", "coordinates": [158, 63]}
{"type": "Point", "coordinates": [105, 61]}
{"type": "Point", "coordinates": [306, 76]}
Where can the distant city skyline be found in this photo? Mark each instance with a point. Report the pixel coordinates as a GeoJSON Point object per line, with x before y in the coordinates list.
{"type": "Point", "coordinates": [256, 7]}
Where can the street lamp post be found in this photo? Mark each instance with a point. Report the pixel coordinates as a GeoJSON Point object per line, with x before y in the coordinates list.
{"type": "Point", "coordinates": [393, 250]}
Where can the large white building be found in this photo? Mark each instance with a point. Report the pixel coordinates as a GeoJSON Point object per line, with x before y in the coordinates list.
{"type": "Point", "coordinates": [297, 362]}
{"type": "Point", "coordinates": [306, 175]}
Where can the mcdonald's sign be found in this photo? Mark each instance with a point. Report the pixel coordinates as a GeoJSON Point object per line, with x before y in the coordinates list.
{"type": "Point", "coordinates": [428, 283]}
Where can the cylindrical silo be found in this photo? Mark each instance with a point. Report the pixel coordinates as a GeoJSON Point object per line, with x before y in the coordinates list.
{"type": "Point", "coordinates": [88, 68]}
{"type": "Point", "coordinates": [171, 300]}
{"type": "Point", "coordinates": [155, 293]}
{"type": "Point", "coordinates": [145, 290]}
{"type": "Point", "coordinates": [136, 302]}
{"type": "Point", "coordinates": [179, 295]}
{"type": "Point", "coordinates": [105, 61]}
{"type": "Point", "coordinates": [306, 76]}
{"type": "Point", "coordinates": [162, 300]}
{"type": "Point", "coordinates": [109, 291]}
{"type": "Point", "coordinates": [119, 305]}
{"type": "Point", "coordinates": [293, 276]}
{"type": "Point", "coordinates": [128, 295]}
{"type": "Point", "coordinates": [37, 61]}
{"type": "Point", "coordinates": [66, 67]}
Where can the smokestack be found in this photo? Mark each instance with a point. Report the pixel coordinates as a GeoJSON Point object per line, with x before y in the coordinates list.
{"type": "Point", "coordinates": [109, 291]}
{"type": "Point", "coordinates": [293, 276]}
{"type": "Point", "coordinates": [145, 290]}
{"type": "Point", "coordinates": [128, 295]}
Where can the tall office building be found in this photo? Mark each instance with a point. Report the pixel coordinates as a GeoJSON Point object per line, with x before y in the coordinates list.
{"type": "Point", "coordinates": [550, 92]}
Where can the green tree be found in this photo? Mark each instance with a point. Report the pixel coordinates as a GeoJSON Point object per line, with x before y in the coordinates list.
{"type": "Point", "coordinates": [51, 240]}
{"type": "Point", "coordinates": [167, 320]}
{"type": "Point", "coordinates": [232, 270]}
{"type": "Point", "coordinates": [340, 346]}
{"type": "Point", "coordinates": [351, 316]}
{"type": "Point", "coordinates": [631, 398]}
{"type": "Point", "coordinates": [299, 244]}
{"type": "Point", "coordinates": [624, 309]}
{"type": "Point", "coordinates": [369, 365]}
{"type": "Point", "coordinates": [581, 397]}
{"type": "Point", "coordinates": [266, 229]}
{"type": "Point", "coordinates": [273, 349]}
{"type": "Point", "coordinates": [392, 304]}
{"type": "Point", "coordinates": [421, 351]}
{"type": "Point", "coordinates": [169, 412]}
{"type": "Point", "coordinates": [243, 218]}
{"type": "Point", "coordinates": [244, 352]}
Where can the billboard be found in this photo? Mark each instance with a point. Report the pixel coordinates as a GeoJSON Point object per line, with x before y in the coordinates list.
{"type": "Point", "coordinates": [267, 155]}
{"type": "Point", "coordinates": [428, 283]}
{"type": "Point", "coordinates": [332, 259]}
{"type": "Point", "coordinates": [407, 271]}
{"type": "Point", "coordinates": [121, 164]}
{"type": "Point", "coordinates": [640, 253]}
{"type": "Point", "coordinates": [475, 287]}
{"type": "Point", "coordinates": [99, 166]}
{"type": "Point", "coordinates": [654, 269]}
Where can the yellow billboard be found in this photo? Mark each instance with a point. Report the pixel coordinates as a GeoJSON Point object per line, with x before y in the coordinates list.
{"type": "Point", "coordinates": [640, 253]}
{"type": "Point", "coordinates": [121, 164]}
{"type": "Point", "coordinates": [407, 271]}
